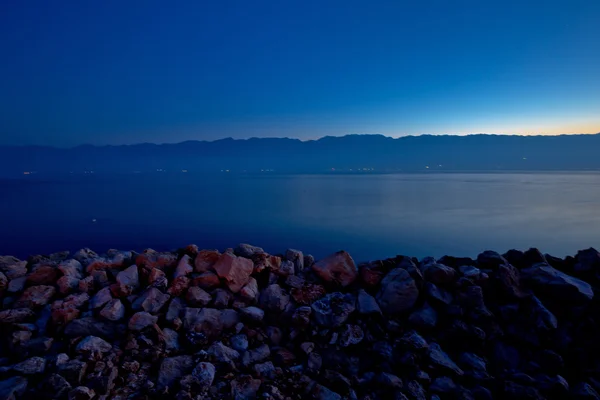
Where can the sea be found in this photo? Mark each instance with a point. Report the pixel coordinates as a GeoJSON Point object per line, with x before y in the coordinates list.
{"type": "Point", "coordinates": [371, 216]}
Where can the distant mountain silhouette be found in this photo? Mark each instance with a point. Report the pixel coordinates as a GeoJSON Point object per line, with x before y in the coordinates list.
{"type": "Point", "coordinates": [352, 152]}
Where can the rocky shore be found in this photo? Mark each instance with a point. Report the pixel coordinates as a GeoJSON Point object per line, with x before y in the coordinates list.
{"type": "Point", "coordinates": [244, 324]}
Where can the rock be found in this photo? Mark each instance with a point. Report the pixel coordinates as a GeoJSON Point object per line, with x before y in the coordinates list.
{"type": "Point", "coordinates": [263, 261]}
{"type": "Point", "coordinates": [234, 270]}
{"type": "Point", "coordinates": [338, 268]}
{"type": "Point", "coordinates": [274, 299]}
{"type": "Point", "coordinates": [490, 260]}
{"type": "Point", "coordinates": [141, 320]}
{"type": "Point", "coordinates": [16, 315]}
{"type": "Point", "coordinates": [257, 355]}
{"type": "Point", "coordinates": [128, 279]}
{"type": "Point", "coordinates": [301, 316]}
{"type": "Point", "coordinates": [31, 366]}
{"type": "Point", "coordinates": [172, 369]}
{"type": "Point", "coordinates": [175, 308]}
{"type": "Point", "coordinates": [439, 274]}
{"type": "Point", "coordinates": [208, 280]}
{"type": "Point", "coordinates": [197, 297]}
{"type": "Point", "coordinates": [158, 279]}
{"type": "Point", "coordinates": [205, 373]}
{"type": "Point", "coordinates": [208, 321]}
{"type": "Point", "coordinates": [205, 260]}
{"type": "Point", "coordinates": [470, 272]}
{"type": "Point", "coordinates": [413, 341]}
{"type": "Point", "coordinates": [12, 388]}
{"type": "Point", "coordinates": [398, 292]}
{"type": "Point", "coordinates": [151, 301]}
{"type": "Point", "coordinates": [184, 267]}
{"type": "Point", "coordinates": [286, 268]}
{"type": "Point", "coordinates": [351, 335]}
{"type": "Point", "coordinates": [265, 370]}
{"type": "Point", "coordinates": [179, 286]}
{"type": "Point", "coordinates": [56, 385]}
{"type": "Point", "coordinates": [93, 344]}
{"type": "Point", "coordinates": [307, 293]}
{"type": "Point", "coordinates": [17, 285]}
{"type": "Point", "coordinates": [171, 339]}
{"type": "Point", "coordinates": [315, 361]}
{"type": "Point", "coordinates": [81, 393]}
{"type": "Point", "coordinates": [250, 291]}
{"type": "Point", "coordinates": [35, 296]}
{"type": "Point", "coordinates": [320, 392]}
{"type": "Point", "coordinates": [472, 361]}
{"type": "Point", "coordinates": [254, 314]}
{"type": "Point", "coordinates": [222, 298]}
{"type": "Point", "coordinates": [555, 284]}
{"type": "Point", "coordinates": [366, 304]}
{"type": "Point", "coordinates": [441, 360]}
{"type": "Point", "coordinates": [437, 296]}
{"type": "Point", "coordinates": [587, 260]}
{"type": "Point", "coordinates": [153, 259]}
{"type": "Point", "coordinates": [297, 259]}
{"type": "Point", "coordinates": [91, 326]}
{"type": "Point", "coordinates": [42, 275]}
{"type": "Point", "coordinates": [244, 388]}
{"type": "Point", "coordinates": [247, 250]}
{"type": "Point", "coordinates": [221, 353]}
{"type": "Point", "coordinates": [239, 342]}
{"type": "Point", "coordinates": [583, 391]}
{"type": "Point", "coordinates": [67, 284]}
{"type": "Point", "coordinates": [72, 268]}
{"type": "Point", "coordinates": [16, 270]}
{"type": "Point", "coordinates": [73, 371]}
{"type": "Point", "coordinates": [334, 309]}
{"type": "Point", "coordinates": [423, 318]}
{"type": "Point", "coordinates": [86, 285]}
{"type": "Point", "coordinates": [114, 310]}
{"type": "Point", "coordinates": [443, 385]}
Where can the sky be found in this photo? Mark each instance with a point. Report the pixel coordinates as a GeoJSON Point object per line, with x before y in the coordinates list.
{"type": "Point", "coordinates": [119, 72]}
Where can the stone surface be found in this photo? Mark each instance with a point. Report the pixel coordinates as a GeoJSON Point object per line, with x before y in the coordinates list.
{"type": "Point", "coordinates": [234, 270]}
{"type": "Point", "coordinates": [338, 268]}
{"type": "Point", "coordinates": [398, 292]}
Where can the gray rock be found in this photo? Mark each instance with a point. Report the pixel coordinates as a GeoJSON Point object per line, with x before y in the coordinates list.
{"type": "Point", "coordinates": [423, 318]}
{"type": "Point", "coordinates": [472, 361]}
{"type": "Point", "coordinates": [175, 307]}
{"type": "Point", "coordinates": [301, 316]}
{"type": "Point", "coordinates": [56, 385]}
{"type": "Point", "coordinates": [244, 388]}
{"type": "Point", "coordinates": [555, 284]}
{"type": "Point", "coordinates": [286, 268]}
{"type": "Point", "coordinates": [205, 373]}
{"type": "Point", "coordinates": [315, 361]}
{"type": "Point", "coordinates": [265, 370]}
{"type": "Point", "coordinates": [222, 298]}
{"type": "Point", "coordinates": [321, 392]}
{"type": "Point", "coordinates": [351, 335]}
{"type": "Point", "coordinates": [141, 320]}
{"type": "Point", "coordinates": [184, 267]}
{"type": "Point", "coordinates": [72, 268]}
{"type": "Point", "coordinates": [93, 344]}
{"type": "Point", "coordinates": [221, 353]}
{"type": "Point", "coordinates": [239, 342]}
{"type": "Point", "coordinates": [72, 370]}
{"type": "Point", "coordinates": [12, 388]}
{"type": "Point", "coordinates": [16, 315]}
{"type": "Point", "coordinates": [366, 304]}
{"type": "Point", "coordinates": [334, 309]}
{"type": "Point", "coordinates": [101, 298]}
{"type": "Point", "coordinates": [31, 366]}
{"type": "Point", "coordinates": [250, 291]}
{"type": "Point", "coordinates": [274, 298]}
{"type": "Point", "coordinates": [439, 274]}
{"type": "Point", "coordinates": [35, 296]}
{"type": "Point", "coordinates": [398, 292]}
{"type": "Point", "coordinates": [17, 285]}
{"type": "Point", "coordinates": [151, 301]}
{"type": "Point", "coordinates": [254, 314]}
{"type": "Point", "coordinates": [114, 310]}
{"type": "Point", "coordinates": [443, 385]}
{"type": "Point", "coordinates": [257, 355]}
{"type": "Point", "coordinates": [129, 277]}
{"type": "Point", "coordinates": [440, 359]}
{"type": "Point", "coordinates": [81, 393]}
{"type": "Point", "coordinates": [90, 326]}
{"type": "Point", "coordinates": [247, 250]}
{"type": "Point", "coordinates": [196, 297]}
{"type": "Point", "coordinates": [297, 258]}
{"type": "Point", "coordinates": [172, 369]}
{"type": "Point", "coordinates": [171, 339]}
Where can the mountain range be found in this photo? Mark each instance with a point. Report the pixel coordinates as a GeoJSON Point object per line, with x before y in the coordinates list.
{"type": "Point", "coordinates": [352, 153]}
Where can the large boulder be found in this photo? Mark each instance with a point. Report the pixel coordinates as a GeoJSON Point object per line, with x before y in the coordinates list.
{"type": "Point", "coordinates": [552, 283]}
{"type": "Point", "coordinates": [338, 269]}
{"type": "Point", "coordinates": [234, 270]}
{"type": "Point", "coordinates": [398, 292]}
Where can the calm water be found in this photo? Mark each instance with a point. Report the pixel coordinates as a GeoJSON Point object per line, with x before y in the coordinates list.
{"type": "Point", "coordinates": [374, 216]}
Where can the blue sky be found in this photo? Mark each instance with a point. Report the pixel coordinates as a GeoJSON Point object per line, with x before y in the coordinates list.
{"type": "Point", "coordinates": [112, 72]}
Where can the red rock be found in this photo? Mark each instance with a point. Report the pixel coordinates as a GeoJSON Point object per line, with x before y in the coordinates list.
{"type": "Point", "coordinates": [308, 293]}
{"type": "Point", "coordinates": [16, 270]}
{"type": "Point", "coordinates": [42, 275]}
{"type": "Point", "coordinates": [86, 285]}
{"type": "Point", "coordinates": [154, 259]}
{"type": "Point", "coordinates": [97, 264]}
{"type": "Point", "coordinates": [35, 296]}
{"type": "Point", "coordinates": [197, 297]}
{"type": "Point", "coordinates": [206, 259]}
{"type": "Point", "coordinates": [207, 280]}
{"type": "Point", "coordinates": [264, 261]}
{"type": "Point", "coordinates": [16, 315]}
{"type": "Point", "coordinates": [179, 286]}
{"type": "Point", "coordinates": [62, 316]}
{"type": "Point", "coordinates": [371, 274]}
{"type": "Point", "coordinates": [191, 250]}
{"type": "Point", "coordinates": [338, 268]}
{"type": "Point", "coordinates": [157, 278]}
{"type": "Point", "coordinates": [67, 284]}
{"type": "Point", "coordinates": [141, 320]}
{"type": "Point", "coordinates": [235, 270]}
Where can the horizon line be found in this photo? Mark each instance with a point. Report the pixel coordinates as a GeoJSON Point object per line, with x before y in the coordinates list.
{"type": "Point", "coordinates": [229, 138]}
